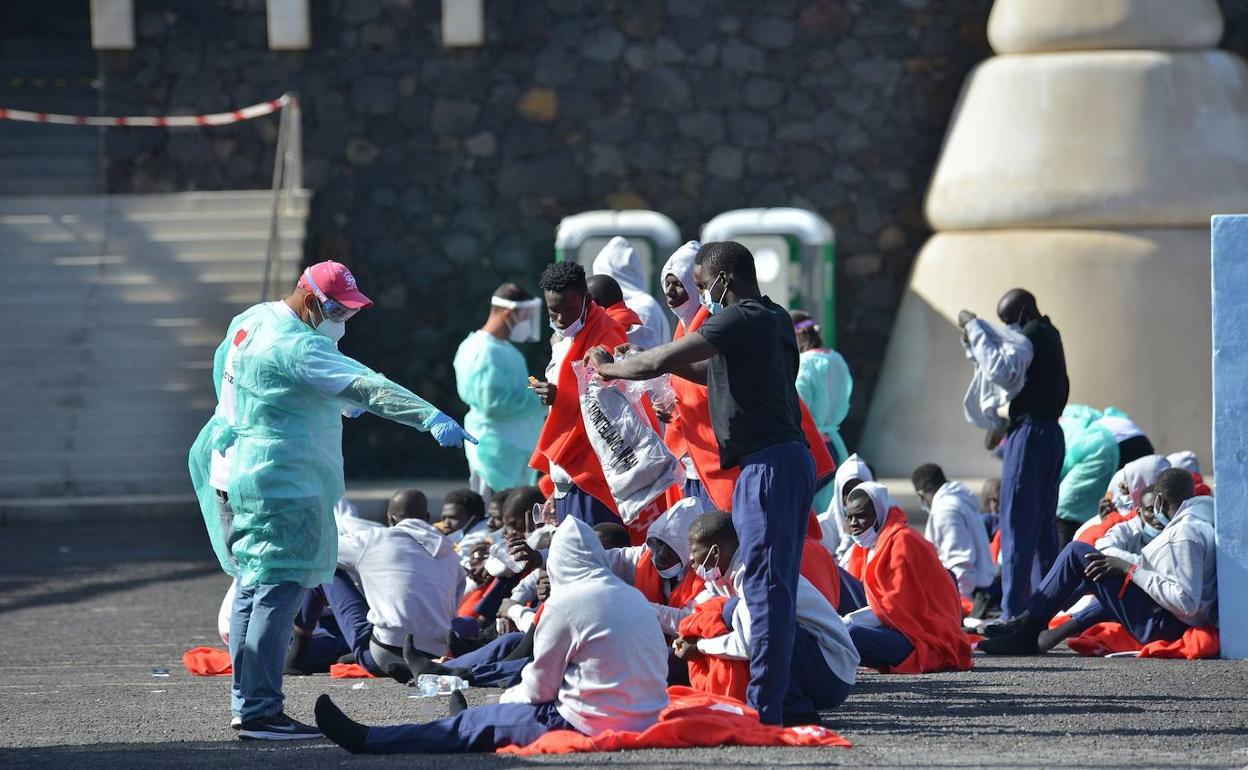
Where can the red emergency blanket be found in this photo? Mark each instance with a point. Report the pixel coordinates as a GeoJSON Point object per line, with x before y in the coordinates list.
{"type": "Point", "coordinates": [1105, 638]}
{"type": "Point", "coordinates": [691, 720]}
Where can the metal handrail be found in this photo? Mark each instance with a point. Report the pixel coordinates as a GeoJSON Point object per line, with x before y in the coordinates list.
{"type": "Point", "coordinates": [287, 179]}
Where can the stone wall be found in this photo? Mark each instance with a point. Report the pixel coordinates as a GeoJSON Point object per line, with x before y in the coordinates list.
{"type": "Point", "coordinates": [439, 173]}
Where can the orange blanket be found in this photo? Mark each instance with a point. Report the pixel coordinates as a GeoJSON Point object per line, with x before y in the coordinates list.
{"type": "Point", "coordinates": [691, 719]}
{"type": "Point", "coordinates": [911, 592]}
{"type": "Point", "coordinates": [650, 583]}
{"type": "Point", "coordinates": [725, 677]}
{"type": "Point", "coordinates": [207, 661]}
{"type": "Point", "coordinates": [1105, 638]}
{"type": "Point", "coordinates": [1097, 531]}
{"type": "Point", "coordinates": [690, 433]}
{"type": "Point", "coordinates": [819, 567]}
{"type": "Point", "coordinates": [563, 439]}
{"type": "Point", "coordinates": [349, 671]}
{"type": "Point", "coordinates": [623, 315]}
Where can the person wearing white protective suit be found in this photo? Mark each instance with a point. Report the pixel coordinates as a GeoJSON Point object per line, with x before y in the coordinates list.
{"type": "Point", "coordinates": [599, 663]}
{"type": "Point", "coordinates": [620, 260]}
{"type": "Point", "coordinates": [267, 469]}
{"type": "Point", "coordinates": [491, 377]}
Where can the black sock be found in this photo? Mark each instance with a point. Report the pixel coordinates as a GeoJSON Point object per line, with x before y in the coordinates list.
{"type": "Point", "coordinates": [457, 703]}
{"type": "Point", "coordinates": [417, 662]}
{"type": "Point", "coordinates": [338, 727]}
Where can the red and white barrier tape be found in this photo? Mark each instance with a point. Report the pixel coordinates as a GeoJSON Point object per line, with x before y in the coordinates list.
{"type": "Point", "coordinates": [215, 119]}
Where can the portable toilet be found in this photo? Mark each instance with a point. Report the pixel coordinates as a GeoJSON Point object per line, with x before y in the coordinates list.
{"type": "Point", "coordinates": [652, 235]}
{"type": "Point", "coordinates": [794, 256]}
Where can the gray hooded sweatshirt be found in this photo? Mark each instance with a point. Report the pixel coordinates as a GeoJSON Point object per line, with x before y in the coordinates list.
{"type": "Point", "coordinates": [598, 652]}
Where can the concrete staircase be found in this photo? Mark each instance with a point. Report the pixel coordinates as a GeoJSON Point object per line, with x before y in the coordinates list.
{"type": "Point", "coordinates": [114, 307]}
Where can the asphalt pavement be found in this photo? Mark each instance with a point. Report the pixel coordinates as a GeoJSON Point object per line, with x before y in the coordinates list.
{"type": "Point", "coordinates": [88, 612]}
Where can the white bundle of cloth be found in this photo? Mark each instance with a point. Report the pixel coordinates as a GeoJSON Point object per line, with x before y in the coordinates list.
{"type": "Point", "coordinates": [1001, 355]}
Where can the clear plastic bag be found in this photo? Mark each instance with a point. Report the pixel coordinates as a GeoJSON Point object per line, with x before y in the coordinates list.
{"type": "Point", "coordinates": [659, 389]}
{"type": "Point", "coordinates": [635, 461]}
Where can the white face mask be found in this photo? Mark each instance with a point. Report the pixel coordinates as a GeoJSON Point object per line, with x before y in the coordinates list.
{"type": "Point", "coordinates": [710, 574]}
{"type": "Point", "coordinates": [672, 572]}
{"type": "Point", "coordinates": [711, 305]}
{"type": "Point", "coordinates": [334, 330]}
{"type": "Point", "coordinates": [574, 328]}
{"type": "Point", "coordinates": [867, 539]}
{"type": "Point", "coordinates": [1124, 503]}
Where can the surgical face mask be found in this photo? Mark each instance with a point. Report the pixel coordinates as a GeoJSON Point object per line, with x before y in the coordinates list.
{"type": "Point", "coordinates": [710, 304]}
{"type": "Point", "coordinates": [1124, 503]}
{"type": "Point", "coordinates": [710, 574]}
{"type": "Point", "coordinates": [867, 539]}
{"type": "Point", "coordinates": [1159, 512]}
{"type": "Point", "coordinates": [1148, 531]}
{"type": "Point", "coordinates": [672, 572]}
{"type": "Point", "coordinates": [574, 328]}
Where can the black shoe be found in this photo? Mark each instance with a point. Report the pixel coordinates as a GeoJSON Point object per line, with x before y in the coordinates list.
{"type": "Point", "coordinates": [457, 703]}
{"type": "Point", "coordinates": [1005, 627]}
{"type": "Point", "coordinates": [278, 727]}
{"type": "Point", "coordinates": [1023, 641]}
{"type": "Point", "coordinates": [338, 727]}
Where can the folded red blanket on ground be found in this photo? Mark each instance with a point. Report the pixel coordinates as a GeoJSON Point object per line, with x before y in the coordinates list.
{"type": "Point", "coordinates": [349, 671]}
{"type": "Point", "coordinates": [691, 720]}
{"type": "Point", "coordinates": [207, 661]}
{"type": "Point", "coordinates": [1105, 638]}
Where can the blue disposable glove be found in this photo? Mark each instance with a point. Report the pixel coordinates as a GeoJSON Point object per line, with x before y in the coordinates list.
{"type": "Point", "coordinates": [448, 432]}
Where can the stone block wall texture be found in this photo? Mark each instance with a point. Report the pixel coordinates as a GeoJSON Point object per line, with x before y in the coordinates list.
{"type": "Point", "coordinates": [439, 173]}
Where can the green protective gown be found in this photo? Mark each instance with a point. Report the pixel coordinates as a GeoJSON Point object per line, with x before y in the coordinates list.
{"type": "Point", "coordinates": [504, 415]}
{"type": "Point", "coordinates": [291, 386]}
{"type": "Point", "coordinates": [1090, 461]}
{"type": "Point", "coordinates": [824, 383]}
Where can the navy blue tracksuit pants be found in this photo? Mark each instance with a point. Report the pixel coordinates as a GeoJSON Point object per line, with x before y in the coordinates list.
{"type": "Point", "coordinates": [489, 666]}
{"type": "Point", "coordinates": [582, 505]}
{"type": "Point", "coordinates": [478, 729]}
{"type": "Point", "coordinates": [1135, 610]}
{"type": "Point", "coordinates": [1030, 477]}
{"type": "Point", "coordinates": [770, 506]}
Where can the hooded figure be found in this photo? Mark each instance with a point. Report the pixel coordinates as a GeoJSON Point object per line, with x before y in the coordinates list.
{"type": "Point", "coordinates": [955, 527]}
{"type": "Point", "coordinates": [1137, 475]}
{"type": "Point", "coordinates": [598, 653]}
{"type": "Point", "coordinates": [1186, 460]}
{"type": "Point", "coordinates": [832, 521]}
{"type": "Point", "coordinates": [672, 594]}
{"type": "Point", "coordinates": [620, 261]}
{"type": "Point", "coordinates": [680, 265]}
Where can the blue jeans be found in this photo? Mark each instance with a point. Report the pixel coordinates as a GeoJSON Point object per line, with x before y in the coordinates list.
{"type": "Point", "coordinates": [584, 506]}
{"type": "Point", "coordinates": [770, 506]}
{"type": "Point", "coordinates": [1030, 477]}
{"type": "Point", "coordinates": [1144, 618]}
{"type": "Point", "coordinates": [260, 629]}
{"type": "Point", "coordinates": [478, 729]}
{"type": "Point", "coordinates": [812, 685]}
{"type": "Point", "coordinates": [880, 646]}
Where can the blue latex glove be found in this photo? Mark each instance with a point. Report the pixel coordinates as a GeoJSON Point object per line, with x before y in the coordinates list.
{"type": "Point", "coordinates": [448, 432]}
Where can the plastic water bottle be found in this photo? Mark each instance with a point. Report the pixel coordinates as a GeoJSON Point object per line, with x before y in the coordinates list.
{"type": "Point", "coordinates": [433, 685]}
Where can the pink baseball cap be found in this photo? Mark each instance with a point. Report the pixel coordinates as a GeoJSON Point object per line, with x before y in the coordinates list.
{"type": "Point", "coordinates": [332, 280]}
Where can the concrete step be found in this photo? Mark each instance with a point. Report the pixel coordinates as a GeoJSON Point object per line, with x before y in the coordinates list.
{"type": "Point", "coordinates": [233, 200]}
{"type": "Point", "coordinates": [19, 186]}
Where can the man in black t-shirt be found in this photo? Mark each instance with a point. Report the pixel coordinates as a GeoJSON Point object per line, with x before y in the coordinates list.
{"type": "Point", "coordinates": [746, 354]}
{"type": "Point", "coordinates": [1034, 451]}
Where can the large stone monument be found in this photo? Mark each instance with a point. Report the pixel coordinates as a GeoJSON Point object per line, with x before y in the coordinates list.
{"type": "Point", "coordinates": [1083, 162]}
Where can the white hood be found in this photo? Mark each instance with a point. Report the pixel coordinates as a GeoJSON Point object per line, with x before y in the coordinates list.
{"type": "Point", "coordinates": [1140, 473]}
{"type": "Point", "coordinates": [854, 467]}
{"type": "Point", "coordinates": [673, 526]}
{"type": "Point", "coordinates": [576, 555]}
{"type": "Point", "coordinates": [879, 501]}
{"type": "Point", "coordinates": [1188, 461]}
{"type": "Point", "coordinates": [619, 260]}
{"type": "Point", "coordinates": [680, 264]}
{"type": "Point", "coordinates": [426, 534]}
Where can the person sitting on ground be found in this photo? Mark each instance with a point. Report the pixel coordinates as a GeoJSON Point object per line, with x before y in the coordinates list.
{"type": "Point", "coordinates": [849, 474]}
{"type": "Point", "coordinates": [956, 529]}
{"type": "Point", "coordinates": [1188, 461]}
{"type": "Point", "coordinates": [1172, 586]}
{"type": "Point", "coordinates": [912, 623]}
{"type": "Point", "coordinates": [463, 516]}
{"type": "Point", "coordinates": [604, 290]}
{"type": "Point", "coordinates": [990, 506]}
{"type": "Point", "coordinates": [599, 664]}
{"type": "Point", "coordinates": [1122, 499]}
{"type": "Point", "coordinates": [393, 583]}
{"type": "Point", "coordinates": [824, 663]}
